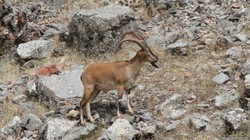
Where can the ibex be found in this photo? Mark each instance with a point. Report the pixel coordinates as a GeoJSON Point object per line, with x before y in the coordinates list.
{"type": "Point", "coordinates": [119, 76]}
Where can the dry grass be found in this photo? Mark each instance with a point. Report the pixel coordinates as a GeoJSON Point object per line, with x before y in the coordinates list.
{"type": "Point", "coordinates": [9, 70]}
{"type": "Point", "coordinates": [8, 110]}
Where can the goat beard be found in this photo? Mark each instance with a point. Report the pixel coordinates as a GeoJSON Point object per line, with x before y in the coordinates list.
{"type": "Point", "coordinates": [154, 64]}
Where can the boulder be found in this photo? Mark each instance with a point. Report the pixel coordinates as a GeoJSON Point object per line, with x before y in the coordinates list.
{"type": "Point", "coordinates": [36, 49]}
{"type": "Point", "coordinates": [120, 129]}
{"type": "Point", "coordinates": [12, 126]}
{"type": "Point", "coordinates": [172, 107]}
{"type": "Point", "coordinates": [175, 99]}
{"type": "Point", "coordinates": [241, 36]}
{"type": "Point", "coordinates": [22, 22]}
{"type": "Point", "coordinates": [247, 85]}
{"type": "Point", "coordinates": [3, 92]}
{"type": "Point", "coordinates": [172, 125]}
{"type": "Point", "coordinates": [145, 115]}
{"type": "Point", "coordinates": [60, 128]}
{"type": "Point", "coordinates": [31, 122]}
{"type": "Point", "coordinates": [56, 3]}
{"type": "Point", "coordinates": [226, 97]}
{"type": "Point", "coordinates": [235, 120]}
{"type": "Point", "coordinates": [93, 32]}
{"type": "Point", "coordinates": [245, 103]}
{"type": "Point", "coordinates": [221, 78]}
{"type": "Point", "coordinates": [52, 89]}
{"type": "Point", "coordinates": [246, 67]}
{"type": "Point", "coordinates": [234, 53]}
{"type": "Point", "coordinates": [179, 48]}
{"type": "Point", "coordinates": [19, 99]}
{"type": "Point", "coordinates": [198, 121]}
{"type": "Point", "coordinates": [148, 130]}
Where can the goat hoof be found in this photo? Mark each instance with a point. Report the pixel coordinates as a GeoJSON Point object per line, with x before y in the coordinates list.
{"type": "Point", "coordinates": [83, 123]}
{"type": "Point", "coordinates": [92, 120]}
{"type": "Point", "coordinates": [120, 116]}
{"type": "Point", "coordinates": [131, 112]}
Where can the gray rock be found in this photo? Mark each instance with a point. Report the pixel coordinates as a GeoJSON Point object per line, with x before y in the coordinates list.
{"type": "Point", "coordinates": [79, 132]}
{"type": "Point", "coordinates": [27, 107]}
{"type": "Point", "coordinates": [141, 87]}
{"type": "Point", "coordinates": [173, 125]}
{"type": "Point", "coordinates": [50, 33]}
{"type": "Point", "coordinates": [234, 53]}
{"type": "Point", "coordinates": [226, 97]}
{"type": "Point", "coordinates": [29, 64]}
{"type": "Point", "coordinates": [64, 109]}
{"type": "Point", "coordinates": [206, 1]}
{"type": "Point", "coordinates": [94, 32]}
{"type": "Point", "coordinates": [241, 36]}
{"type": "Point", "coordinates": [180, 48]}
{"type": "Point", "coordinates": [246, 67]}
{"type": "Point", "coordinates": [191, 98]}
{"type": "Point", "coordinates": [65, 129]}
{"type": "Point", "coordinates": [176, 113]}
{"type": "Point", "coordinates": [156, 40]}
{"type": "Point", "coordinates": [51, 89]}
{"type": "Point", "coordinates": [31, 122]}
{"type": "Point", "coordinates": [223, 41]}
{"type": "Point", "coordinates": [151, 129]}
{"type": "Point", "coordinates": [175, 99]}
{"type": "Point", "coordinates": [173, 36]}
{"type": "Point", "coordinates": [12, 126]}
{"type": "Point", "coordinates": [30, 31]}
{"type": "Point", "coordinates": [120, 129]}
{"type": "Point", "coordinates": [198, 121]}
{"type": "Point", "coordinates": [248, 42]}
{"type": "Point", "coordinates": [129, 118]}
{"type": "Point", "coordinates": [55, 29]}
{"type": "Point", "coordinates": [221, 78]}
{"type": "Point", "coordinates": [208, 41]}
{"type": "Point", "coordinates": [235, 119]}
{"type": "Point", "coordinates": [245, 103]}
{"type": "Point", "coordinates": [28, 133]}
{"type": "Point", "coordinates": [170, 107]}
{"type": "Point", "coordinates": [145, 115]}
{"type": "Point", "coordinates": [19, 99]}
{"type": "Point", "coordinates": [19, 89]}
{"type": "Point", "coordinates": [203, 106]}
{"type": "Point", "coordinates": [36, 49]}
{"type": "Point", "coordinates": [56, 3]}
{"type": "Point", "coordinates": [247, 85]}
{"type": "Point", "coordinates": [3, 90]}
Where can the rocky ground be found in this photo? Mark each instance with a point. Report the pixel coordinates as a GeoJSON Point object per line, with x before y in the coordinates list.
{"type": "Point", "coordinates": [200, 91]}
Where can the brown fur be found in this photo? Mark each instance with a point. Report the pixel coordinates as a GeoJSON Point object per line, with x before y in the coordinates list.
{"type": "Point", "coordinates": [119, 76]}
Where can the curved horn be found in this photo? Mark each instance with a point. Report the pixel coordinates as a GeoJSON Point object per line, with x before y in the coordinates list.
{"type": "Point", "coordinates": [133, 33]}
{"type": "Point", "coordinates": [138, 42]}
{"type": "Point", "coordinates": [137, 36]}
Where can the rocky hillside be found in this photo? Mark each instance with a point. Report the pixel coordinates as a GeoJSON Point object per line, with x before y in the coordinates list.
{"type": "Point", "coordinates": [200, 91]}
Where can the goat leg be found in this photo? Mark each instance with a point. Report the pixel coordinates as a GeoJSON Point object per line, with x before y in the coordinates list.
{"type": "Point", "coordinates": [130, 110]}
{"type": "Point", "coordinates": [86, 95]}
{"type": "Point", "coordinates": [119, 97]}
{"type": "Point", "coordinates": [90, 100]}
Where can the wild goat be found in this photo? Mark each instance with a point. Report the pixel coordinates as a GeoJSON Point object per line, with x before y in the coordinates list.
{"type": "Point", "coordinates": [119, 76]}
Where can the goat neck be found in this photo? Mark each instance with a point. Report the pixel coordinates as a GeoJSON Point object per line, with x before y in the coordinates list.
{"type": "Point", "coordinates": [136, 64]}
